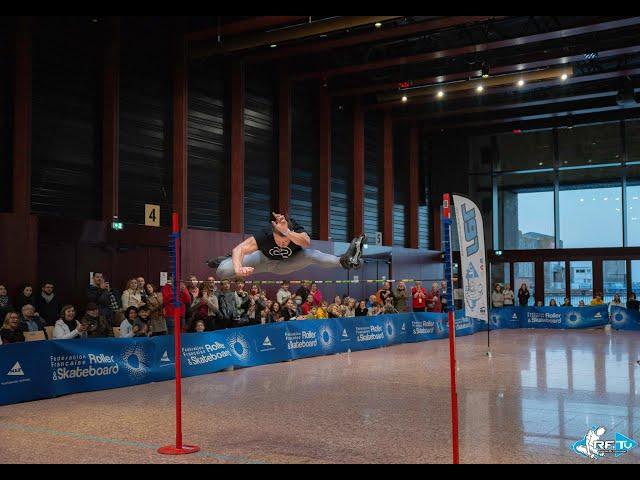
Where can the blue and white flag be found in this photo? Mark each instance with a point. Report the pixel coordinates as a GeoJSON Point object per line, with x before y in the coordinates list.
{"type": "Point", "coordinates": [473, 255]}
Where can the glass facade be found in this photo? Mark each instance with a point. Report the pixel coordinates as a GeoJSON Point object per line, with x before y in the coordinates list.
{"type": "Point", "coordinates": [615, 279]}
{"type": "Point", "coordinates": [581, 276]}
{"type": "Point", "coordinates": [555, 283]}
{"type": "Point", "coordinates": [525, 272]}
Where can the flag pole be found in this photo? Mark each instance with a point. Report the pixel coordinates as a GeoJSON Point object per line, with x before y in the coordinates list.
{"type": "Point", "coordinates": [446, 223]}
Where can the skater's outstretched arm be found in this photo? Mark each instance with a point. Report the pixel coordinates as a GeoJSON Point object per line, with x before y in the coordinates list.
{"type": "Point", "coordinates": [281, 225]}
{"type": "Point", "coordinates": [247, 247]}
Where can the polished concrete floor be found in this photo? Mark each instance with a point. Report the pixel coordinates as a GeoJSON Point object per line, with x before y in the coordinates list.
{"type": "Point", "coordinates": [540, 393]}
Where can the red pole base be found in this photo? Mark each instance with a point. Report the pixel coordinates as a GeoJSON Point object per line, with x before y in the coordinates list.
{"type": "Point", "coordinates": [172, 450]}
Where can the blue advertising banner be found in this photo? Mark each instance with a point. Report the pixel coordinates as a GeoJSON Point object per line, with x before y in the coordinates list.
{"type": "Point", "coordinates": [32, 371]}
{"type": "Point", "coordinates": [625, 319]}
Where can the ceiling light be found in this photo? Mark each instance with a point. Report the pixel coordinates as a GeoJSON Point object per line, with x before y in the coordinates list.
{"type": "Point", "coordinates": [274, 46]}
{"type": "Point", "coordinates": [520, 83]}
{"type": "Point", "coordinates": [485, 70]}
{"type": "Point", "coordinates": [480, 89]}
{"type": "Point", "coordinates": [564, 77]}
{"type": "Point", "coordinates": [405, 99]}
{"type": "Point", "coordinates": [378, 25]}
{"type": "Point", "coordinates": [440, 94]}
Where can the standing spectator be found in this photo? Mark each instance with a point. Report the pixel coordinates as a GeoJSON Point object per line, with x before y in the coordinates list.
{"type": "Point", "coordinates": [25, 297]}
{"type": "Point", "coordinates": [143, 293]}
{"type": "Point", "coordinates": [132, 296]}
{"type": "Point", "coordinates": [97, 326]}
{"type": "Point", "coordinates": [67, 327]}
{"type": "Point", "coordinates": [401, 298]}
{"type": "Point", "coordinates": [361, 309]}
{"type": "Point", "coordinates": [567, 302]}
{"type": "Point", "coordinates": [597, 300]}
{"type": "Point", "coordinates": [632, 303]}
{"type": "Point", "coordinates": [167, 300]}
{"type": "Point", "coordinates": [616, 302]}
{"type": "Point", "coordinates": [384, 293]}
{"type": "Point", "coordinates": [389, 308]}
{"type": "Point", "coordinates": [539, 304]}
{"type": "Point", "coordinates": [157, 322]}
{"type": "Point", "coordinates": [553, 303]}
{"type": "Point", "coordinates": [242, 296]}
{"type": "Point", "coordinates": [126, 327]}
{"type": "Point", "coordinates": [581, 303]}
{"type": "Point", "coordinates": [433, 299]}
{"type": "Point", "coordinates": [317, 295]}
{"type": "Point", "coordinates": [5, 302]}
{"type": "Point", "coordinates": [48, 305]}
{"type": "Point", "coordinates": [276, 312]}
{"type": "Point", "coordinates": [11, 331]}
{"type": "Point", "coordinates": [523, 295]}
{"type": "Point", "coordinates": [419, 295]}
{"type": "Point", "coordinates": [443, 296]}
{"type": "Point", "coordinates": [304, 290]}
{"type": "Point", "coordinates": [283, 294]}
{"type": "Point", "coordinates": [497, 297]}
{"type": "Point", "coordinates": [101, 293]}
{"type": "Point", "coordinates": [141, 325]}
{"type": "Point", "coordinates": [229, 315]}
{"type": "Point", "coordinates": [509, 296]}
{"type": "Point", "coordinates": [30, 321]}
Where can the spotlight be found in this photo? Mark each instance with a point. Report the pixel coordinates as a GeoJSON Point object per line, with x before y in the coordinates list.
{"type": "Point", "coordinates": [480, 89]}
{"type": "Point", "coordinates": [440, 94]}
{"type": "Point", "coordinates": [378, 25]}
{"type": "Point", "coordinates": [405, 99]}
{"type": "Point", "coordinates": [520, 83]}
{"type": "Point", "coordinates": [274, 46]}
{"type": "Point", "coordinates": [486, 71]}
{"type": "Point", "coordinates": [564, 77]}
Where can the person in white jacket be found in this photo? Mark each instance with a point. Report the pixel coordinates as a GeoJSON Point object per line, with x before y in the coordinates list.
{"type": "Point", "coordinates": [67, 327]}
{"type": "Point", "coordinates": [126, 327]}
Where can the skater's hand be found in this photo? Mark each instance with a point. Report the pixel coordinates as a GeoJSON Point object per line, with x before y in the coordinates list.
{"type": "Point", "coordinates": [244, 272]}
{"type": "Point", "coordinates": [280, 224]}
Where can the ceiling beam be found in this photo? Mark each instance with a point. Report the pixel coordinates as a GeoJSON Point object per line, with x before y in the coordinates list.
{"type": "Point", "coordinates": [243, 26]}
{"type": "Point", "coordinates": [547, 59]}
{"type": "Point", "coordinates": [424, 27]}
{"type": "Point", "coordinates": [469, 49]}
{"type": "Point", "coordinates": [295, 33]}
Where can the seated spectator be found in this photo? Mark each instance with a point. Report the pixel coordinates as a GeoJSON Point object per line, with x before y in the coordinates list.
{"type": "Point", "coordinates": [277, 314]}
{"type": "Point", "coordinates": [373, 301]}
{"type": "Point", "coordinates": [141, 327]}
{"type": "Point", "coordinates": [67, 327]}
{"type": "Point", "coordinates": [350, 308]}
{"type": "Point", "coordinates": [597, 300]}
{"type": "Point", "coordinates": [313, 313]}
{"type": "Point", "coordinates": [283, 294]}
{"type": "Point", "coordinates": [252, 317]}
{"type": "Point", "coordinates": [31, 321]}
{"type": "Point", "coordinates": [48, 305]}
{"type": "Point", "coordinates": [334, 311]}
{"type": "Point", "coordinates": [306, 306]}
{"type": "Point", "coordinates": [581, 304]}
{"type": "Point", "coordinates": [389, 308]}
{"type": "Point", "coordinates": [11, 331]}
{"type": "Point", "coordinates": [384, 293]}
{"type": "Point", "coordinates": [265, 316]}
{"type": "Point", "coordinates": [304, 290]}
{"type": "Point", "coordinates": [97, 326]}
{"type": "Point", "coordinates": [316, 294]}
{"type": "Point", "coordinates": [157, 322]}
{"type": "Point", "coordinates": [567, 302]}
{"type": "Point", "coordinates": [401, 297]}
{"type": "Point", "coordinates": [508, 296]}
{"type": "Point", "coordinates": [132, 297]}
{"type": "Point", "coordinates": [632, 303]}
{"type": "Point", "coordinates": [616, 302]}
{"type": "Point", "coordinates": [361, 309]}
{"type": "Point", "coordinates": [553, 303]}
{"type": "Point", "coordinates": [167, 300]}
{"type": "Point", "coordinates": [322, 311]}
{"type": "Point", "coordinates": [107, 299]}
{"type": "Point", "coordinates": [290, 311]}
{"type": "Point", "coordinates": [419, 295]}
{"type": "Point", "coordinates": [337, 301]}
{"type": "Point", "coordinates": [375, 311]}
{"type": "Point", "coordinates": [497, 297]}
{"type": "Point", "coordinates": [5, 302]}
{"type": "Point", "coordinates": [24, 297]}
{"type": "Point", "coordinates": [200, 327]}
{"type": "Point", "coordinates": [539, 304]}
{"type": "Point", "coordinates": [126, 327]}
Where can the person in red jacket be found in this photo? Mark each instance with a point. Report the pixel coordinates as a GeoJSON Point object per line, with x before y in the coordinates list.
{"type": "Point", "coordinates": [433, 300]}
{"type": "Point", "coordinates": [167, 302]}
{"type": "Point", "coordinates": [419, 295]}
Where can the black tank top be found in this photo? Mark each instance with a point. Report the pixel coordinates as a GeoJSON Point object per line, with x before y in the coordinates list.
{"type": "Point", "coordinates": [268, 246]}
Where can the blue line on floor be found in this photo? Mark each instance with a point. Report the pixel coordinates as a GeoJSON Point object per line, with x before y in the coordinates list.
{"type": "Point", "coordinates": [121, 443]}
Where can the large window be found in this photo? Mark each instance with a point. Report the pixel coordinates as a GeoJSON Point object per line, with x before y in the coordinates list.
{"type": "Point", "coordinates": [499, 274]}
{"type": "Point", "coordinates": [525, 272]}
{"type": "Point", "coordinates": [581, 282]}
{"type": "Point", "coordinates": [633, 213]}
{"type": "Point", "coordinates": [615, 279]}
{"type": "Point", "coordinates": [555, 285]}
{"type": "Point", "coordinates": [591, 217]}
{"type": "Point", "coordinates": [590, 144]}
{"type": "Point", "coordinates": [635, 276]}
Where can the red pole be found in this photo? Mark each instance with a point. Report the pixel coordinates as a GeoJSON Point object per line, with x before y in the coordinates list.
{"type": "Point", "coordinates": [179, 448]}
{"type": "Point", "coordinates": [455, 440]}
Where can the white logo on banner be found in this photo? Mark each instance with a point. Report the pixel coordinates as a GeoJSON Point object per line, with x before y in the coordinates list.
{"type": "Point", "coordinates": [16, 371]}
{"type": "Point", "coordinates": [345, 334]}
{"type": "Point", "coordinates": [514, 316]}
{"type": "Point", "coordinates": [404, 327]}
{"type": "Point", "coordinates": [472, 253]}
{"type": "Point", "coordinates": [165, 358]}
{"type": "Point", "coordinates": [267, 342]}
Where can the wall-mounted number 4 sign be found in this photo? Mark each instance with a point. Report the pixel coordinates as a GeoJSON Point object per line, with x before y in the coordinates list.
{"type": "Point", "coordinates": [152, 215]}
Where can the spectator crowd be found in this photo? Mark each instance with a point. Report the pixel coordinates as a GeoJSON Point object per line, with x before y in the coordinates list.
{"type": "Point", "coordinates": [143, 310]}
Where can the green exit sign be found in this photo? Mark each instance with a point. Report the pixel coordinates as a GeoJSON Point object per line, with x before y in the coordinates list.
{"type": "Point", "coordinates": [117, 226]}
